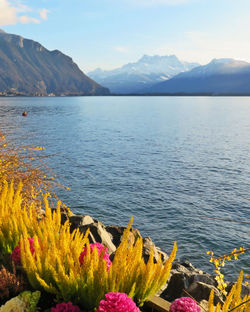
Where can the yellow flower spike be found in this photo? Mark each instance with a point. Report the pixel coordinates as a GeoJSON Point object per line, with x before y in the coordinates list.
{"type": "Point", "coordinates": [233, 301]}
{"type": "Point", "coordinates": [211, 301]}
{"type": "Point", "coordinates": [17, 217]}
{"type": "Point", "coordinates": [218, 308]}
{"type": "Point", "coordinates": [168, 263]}
{"type": "Point", "coordinates": [58, 268]}
{"type": "Point", "coordinates": [228, 300]}
{"type": "Point", "coordinates": [149, 269]}
{"type": "Point", "coordinates": [238, 286]}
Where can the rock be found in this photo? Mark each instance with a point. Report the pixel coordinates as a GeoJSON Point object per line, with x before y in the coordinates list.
{"type": "Point", "coordinates": [75, 220]}
{"type": "Point", "coordinates": [201, 291]}
{"type": "Point", "coordinates": [117, 231]}
{"type": "Point", "coordinates": [148, 245]}
{"type": "Point", "coordinates": [64, 216]}
{"type": "Point", "coordinates": [179, 267]}
{"type": "Point", "coordinates": [79, 220]}
{"type": "Point", "coordinates": [203, 278]}
{"type": "Point", "coordinates": [178, 281]}
{"type": "Point", "coordinates": [188, 265]}
{"type": "Point", "coordinates": [98, 234]}
{"type": "Point", "coordinates": [204, 305]}
{"type": "Point", "coordinates": [185, 277]}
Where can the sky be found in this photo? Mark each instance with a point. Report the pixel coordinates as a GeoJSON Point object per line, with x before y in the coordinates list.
{"type": "Point", "coordinates": [110, 33]}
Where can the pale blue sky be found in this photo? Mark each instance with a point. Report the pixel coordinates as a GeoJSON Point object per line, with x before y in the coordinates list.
{"type": "Point", "coordinates": [110, 33]}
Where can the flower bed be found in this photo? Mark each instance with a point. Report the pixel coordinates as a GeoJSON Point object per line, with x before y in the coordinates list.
{"type": "Point", "coordinates": [54, 260]}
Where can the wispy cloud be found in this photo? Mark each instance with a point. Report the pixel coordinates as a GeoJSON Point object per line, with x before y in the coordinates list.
{"type": "Point", "coordinates": [11, 14]}
{"type": "Point", "coordinates": [150, 3]}
{"type": "Point", "coordinates": [203, 47]}
{"type": "Point", "coordinates": [218, 46]}
{"type": "Point", "coordinates": [122, 49]}
{"type": "Point", "coordinates": [44, 14]}
{"type": "Point", "coordinates": [24, 19]}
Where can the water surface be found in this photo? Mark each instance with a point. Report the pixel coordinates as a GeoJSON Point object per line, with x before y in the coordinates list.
{"type": "Point", "coordinates": [179, 165]}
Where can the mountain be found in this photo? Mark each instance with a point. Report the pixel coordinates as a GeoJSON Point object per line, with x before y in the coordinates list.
{"type": "Point", "coordinates": [135, 77]}
{"type": "Point", "coordinates": [27, 68]}
{"type": "Point", "coordinates": [220, 76]}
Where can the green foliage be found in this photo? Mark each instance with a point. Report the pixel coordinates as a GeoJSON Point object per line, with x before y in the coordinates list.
{"type": "Point", "coordinates": [30, 299]}
{"type": "Point", "coordinates": [25, 302]}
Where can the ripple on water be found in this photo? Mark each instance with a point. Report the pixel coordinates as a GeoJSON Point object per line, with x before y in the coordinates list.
{"type": "Point", "coordinates": [180, 165]}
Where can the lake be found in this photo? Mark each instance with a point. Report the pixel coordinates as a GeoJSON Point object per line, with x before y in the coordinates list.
{"type": "Point", "coordinates": [179, 165]}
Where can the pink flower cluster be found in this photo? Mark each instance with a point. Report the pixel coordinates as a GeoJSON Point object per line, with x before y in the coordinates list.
{"type": "Point", "coordinates": [99, 250]}
{"type": "Point", "coordinates": [184, 304]}
{"type": "Point", "coordinates": [16, 253]}
{"type": "Point", "coordinates": [65, 307]}
{"type": "Point", "coordinates": [117, 302]}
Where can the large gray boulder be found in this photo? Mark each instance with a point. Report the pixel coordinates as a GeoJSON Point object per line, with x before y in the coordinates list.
{"type": "Point", "coordinates": [185, 278]}
{"type": "Point", "coordinates": [201, 291]}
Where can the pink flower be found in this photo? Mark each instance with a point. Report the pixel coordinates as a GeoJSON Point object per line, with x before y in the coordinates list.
{"type": "Point", "coordinates": [184, 304]}
{"type": "Point", "coordinates": [16, 253]}
{"type": "Point", "coordinates": [99, 250]}
{"type": "Point", "coordinates": [117, 302]}
{"type": "Point", "coordinates": [65, 307]}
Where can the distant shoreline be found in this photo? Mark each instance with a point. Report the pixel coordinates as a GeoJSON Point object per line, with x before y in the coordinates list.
{"type": "Point", "coordinates": [132, 94]}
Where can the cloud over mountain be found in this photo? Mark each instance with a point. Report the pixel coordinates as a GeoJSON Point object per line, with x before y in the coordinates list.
{"type": "Point", "coordinates": [11, 14]}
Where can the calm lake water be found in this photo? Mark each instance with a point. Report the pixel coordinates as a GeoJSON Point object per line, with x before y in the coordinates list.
{"type": "Point", "coordinates": [174, 163]}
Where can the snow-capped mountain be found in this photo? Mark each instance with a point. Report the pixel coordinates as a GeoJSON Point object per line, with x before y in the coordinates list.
{"type": "Point", "coordinates": [218, 66]}
{"type": "Point", "coordinates": [220, 76]}
{"type": "Point", "coordinates": [147, 71]}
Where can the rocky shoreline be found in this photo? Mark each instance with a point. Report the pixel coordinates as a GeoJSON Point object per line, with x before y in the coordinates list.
{"type": "Point", "coordinates": [184, 278]}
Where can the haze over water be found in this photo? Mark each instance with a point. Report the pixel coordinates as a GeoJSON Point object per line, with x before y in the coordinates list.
{"type": "Point", "coordinates": [179, 165]}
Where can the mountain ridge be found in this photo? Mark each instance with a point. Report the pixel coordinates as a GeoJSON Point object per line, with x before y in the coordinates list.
{"type": "Point", "coordinates": [136, 76]}
{"type": "Point", "coordinates": [28, 68]}
{"type": "Point", "coordinates": [220, 76]}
